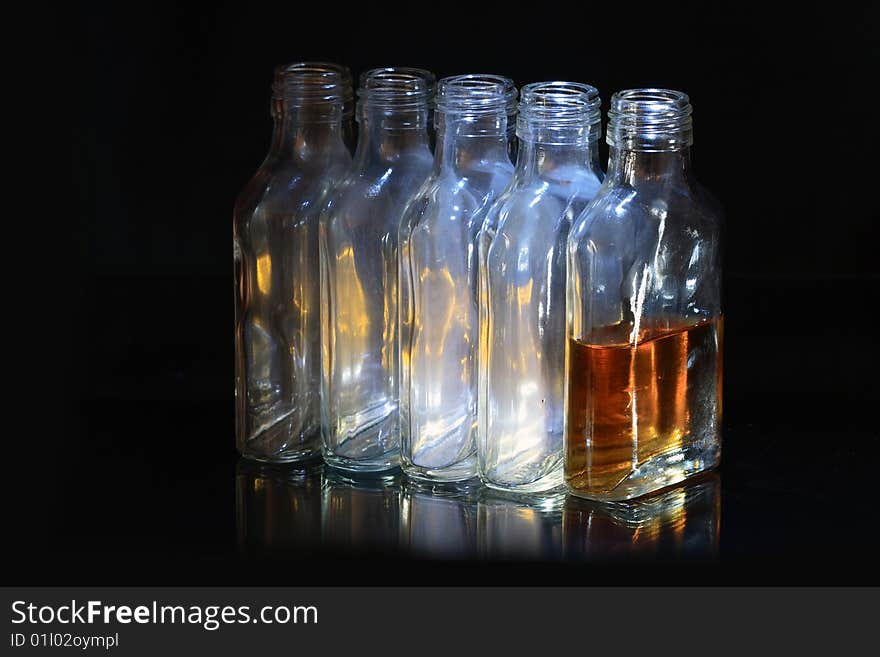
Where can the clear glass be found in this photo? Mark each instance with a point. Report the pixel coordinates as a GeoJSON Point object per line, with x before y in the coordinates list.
{"type": "Point", "coordinates": [644, 321]}
{"type": "Point", "coordinates": [522, 271]}
{"type": "Point", "coordinates": [275, 250]}
{"type": "Point", "coordinates": [359, 228]}
{"type": "Point", "coordinates": [439, 327]}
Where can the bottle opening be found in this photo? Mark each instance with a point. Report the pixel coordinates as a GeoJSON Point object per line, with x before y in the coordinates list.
{"type": "Point", "coordinates": [650, 120]}
{"type": "Point", "coordinates": [476, 94]}
{"type": "Point", "coordinates": [308, 84]}
{"type": "Point", "coordinates": [396, 88]}
{"type": "Point", "coordinates": [559, 113]}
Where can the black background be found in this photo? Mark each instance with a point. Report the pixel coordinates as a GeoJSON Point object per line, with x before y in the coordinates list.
{"type": "Point", "coordinates": [124, 469]}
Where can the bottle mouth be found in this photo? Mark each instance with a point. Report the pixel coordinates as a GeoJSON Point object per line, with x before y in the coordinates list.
{"type": "Point", "coordinates": [476, 94]}
{"type": "Point", "coordinates": [306, 84]}
{"type": "Point", "coordinates": [650, 120]}
{"type": "Point", "coordinates": [396, 87]}
{"type": "Point", "coordinates": [560, 112]}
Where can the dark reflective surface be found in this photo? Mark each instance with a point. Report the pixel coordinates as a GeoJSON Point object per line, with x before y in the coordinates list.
{"type": "Point", "coordinates": [143, 484]}
{"type": "Point", "coordinates": [316, 509]}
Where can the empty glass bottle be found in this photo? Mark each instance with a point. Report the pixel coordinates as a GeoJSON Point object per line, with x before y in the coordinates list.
{"type": "Point", "coordinates": [522, 270]}
{"type": "Point", "coordinates": [275, 246]}
{"type": "Point", "coordinates": [359, 228]}
{"type": "Point", "coordinates": [439, 327]}
{"type": "Point", "coordinates": [644, 322]}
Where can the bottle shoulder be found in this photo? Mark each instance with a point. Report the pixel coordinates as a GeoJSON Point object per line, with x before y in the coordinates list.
{"type": "Point", "coordinates": [377, 181]}
{"type": "Point", "coordinates": [282, 188]}
{"type": "Point", "coordinates": [450, 196]}
{"type": "Point", "coordinates": [617, 209]}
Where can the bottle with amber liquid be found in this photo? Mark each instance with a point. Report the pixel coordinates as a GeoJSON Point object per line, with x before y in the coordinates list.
{"type": "Point", "coordinates": [643, 305]}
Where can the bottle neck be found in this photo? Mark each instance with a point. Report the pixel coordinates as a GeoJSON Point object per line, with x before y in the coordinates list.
{"type": "Point", "coordinates": [636, 167]}
{"type": "Point", "coordinates": [465, 141]}
{"type": "Point", "coordinates": [305, 135]}
{"type": "Point", "coordinates": [557, 161]}
{"type": "Point", "coordinates": [386, 136]}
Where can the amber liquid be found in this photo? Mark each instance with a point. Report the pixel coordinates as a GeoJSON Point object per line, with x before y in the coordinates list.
{"type": "Point", "coordinates": [630, 403]}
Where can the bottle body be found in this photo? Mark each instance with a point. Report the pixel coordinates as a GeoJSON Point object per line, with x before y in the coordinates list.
{"type": "Point", "coordinates": [276, 286]}
{"type": "Point", "coordinates": [644, 320]}
{"type": "Point", "coordinates": [522, 268]}
{"type": "Point", "coordinates": [359, 229]}
{"type": "Point", "coordinates": [439, 324]}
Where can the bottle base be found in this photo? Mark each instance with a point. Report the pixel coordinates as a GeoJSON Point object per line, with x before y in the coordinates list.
{"type": "Point", "coordinates": [303, 456]}
{"type": "Point", "coordinates": [549, 483]}
{"type": "Point", "coordinates": [303, 450]}
{"type": "Point", "coordinates": [544, 501]}
{"type": "Point", "coordinates": [461, 473]}
{"type": "Point", "coordinates": [382, 464]}
{"type": "Point", "coordinates": [660, 472]}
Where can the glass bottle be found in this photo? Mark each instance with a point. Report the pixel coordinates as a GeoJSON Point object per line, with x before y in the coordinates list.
{"type": "Point", "coordinates": [275, 246]}
{"type": "Point", "coordinates": [644, 322]}
{"type": "Point", "coordinates": [359, 228]}
{"type": "Point", "coordinates": [439, 277]}
{"type": "Point", "coordinates": [522, 270]}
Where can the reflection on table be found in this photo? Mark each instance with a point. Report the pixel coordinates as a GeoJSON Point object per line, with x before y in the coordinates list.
{"type": "Point", "coordinates": [319, 510]}
{"type": "Point", "coordinates": [683, 521]}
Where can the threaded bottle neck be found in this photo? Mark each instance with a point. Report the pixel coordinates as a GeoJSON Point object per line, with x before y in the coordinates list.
{"type": "Point", "coordinates": [559, 114]}
{"type": "Point", "coordinates": [314, 91]}
{"type": "Point", "coordinates": [396, 98]}
{"type": "Point", "coordinates": [475, 105]}
{"type": "Point", "coordinates": [650, 120]}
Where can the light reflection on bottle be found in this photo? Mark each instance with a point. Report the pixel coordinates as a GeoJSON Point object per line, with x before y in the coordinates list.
{"type": "Point", "coordinates": [277, 508]}
{"type": "Point", "coordinates": [681, 522]}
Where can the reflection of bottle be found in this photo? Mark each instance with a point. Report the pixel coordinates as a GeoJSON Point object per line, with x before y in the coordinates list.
{"type": "Point", "coordinates": [680, 522]}
{"type": "Point", "coordinates": [277, 509]}
{"type": "Point", "coordinates": [438, 524]}
{"type": "Point", "coordinates": [644, 322]}
{"type": "Point", "coordinates": [360, 515]}
{"type": "Point", "coordinates": [520, 527]}
{"type": "Point", "coordinates": [275, 251]}
{"type": "Point", "coordinates": [358, 240]}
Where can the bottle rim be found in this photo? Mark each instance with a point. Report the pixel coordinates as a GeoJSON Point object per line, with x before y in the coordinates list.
{"type": "Point", "coordinates": [301, 84]}
{"type": "Point", "coordinates": [559, 112]}
{"type": "Point", "coordinates": [396, 87]}
{"type": "Point", "coordinates": [476, 94]}
{"type": "Point", "coordinates": [650, 119]}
